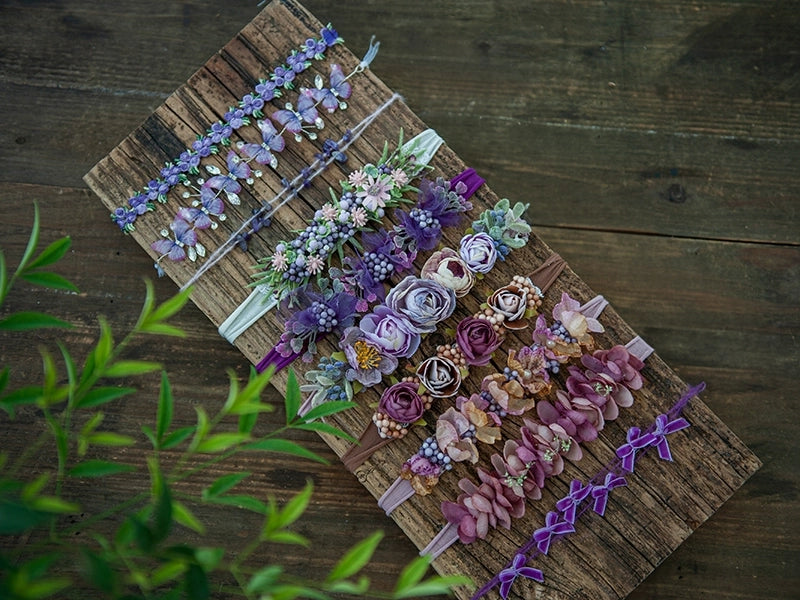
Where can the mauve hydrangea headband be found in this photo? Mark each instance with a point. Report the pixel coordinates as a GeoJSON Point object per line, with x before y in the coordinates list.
{"type": "Point", "coordinates": [592, 398]}
{"type": "Point", "coordinates": [593, 495]}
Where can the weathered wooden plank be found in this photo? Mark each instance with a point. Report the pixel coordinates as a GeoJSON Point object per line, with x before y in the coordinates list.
{"type": "Point", "coordinates": [697, 493]}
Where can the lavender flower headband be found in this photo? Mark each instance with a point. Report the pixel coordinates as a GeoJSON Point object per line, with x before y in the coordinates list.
{"type": "Point", "coordinates": [219, 133]}
{"type": "Point", "coordinates": [590, 496]}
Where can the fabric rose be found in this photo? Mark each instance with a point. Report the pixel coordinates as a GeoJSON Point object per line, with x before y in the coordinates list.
{"type": "Point", "coordinates": [477, 340]}
{"type": "Point", "coordinates": [402, 403]}
{"type": "Point", "coordinates": [423, 301]}
{"type": "Point", "coordinates": [510, 302]}
{"type": "Point", "coordinates": [478, 251]}
{"type": "Point", "coordinates": [440, 376]}
{"type": "Point", "coordinates": [391, 332]}
{"type": "Point", "coordinates": [367, 363]}
{"type": "Point", "coordinates": [445, 266]}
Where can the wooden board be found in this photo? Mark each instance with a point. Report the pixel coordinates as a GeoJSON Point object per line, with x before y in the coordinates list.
{"type": "Point", "coordinates": [663, 504]}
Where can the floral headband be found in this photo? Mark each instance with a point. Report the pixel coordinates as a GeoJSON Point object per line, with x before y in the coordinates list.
{"type": "Point", "coordinates": [342, 217]}
{"type": "Point", "coordinates": [592, 397]}
{"type": "Point", "coordinates": [219, 133]}
{"type": "Point", "coordinates": [390, 254]}
{"type": "Point", "coordinates": [590, 496]}
{"type": "Point", "coordinates": [441, 376]}
{"type": "Point", "coordinates": [494, 502]}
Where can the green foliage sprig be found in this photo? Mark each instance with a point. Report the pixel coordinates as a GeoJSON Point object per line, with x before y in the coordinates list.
{"type": "Point", "coordinates": [146, 554]}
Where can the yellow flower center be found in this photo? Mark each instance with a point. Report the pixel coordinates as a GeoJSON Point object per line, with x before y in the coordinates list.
{"type": "Point", "coordinates": [367, 356]}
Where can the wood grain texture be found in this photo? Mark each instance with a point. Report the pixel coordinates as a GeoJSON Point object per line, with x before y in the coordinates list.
{"type": "Point", "coordinates": [703, 110]}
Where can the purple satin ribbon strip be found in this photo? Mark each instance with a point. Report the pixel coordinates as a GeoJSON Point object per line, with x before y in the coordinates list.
{"type": "Point", "coordinates": [598, 486]}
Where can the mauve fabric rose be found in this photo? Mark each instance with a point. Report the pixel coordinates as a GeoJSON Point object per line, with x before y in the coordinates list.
{"type": "Point", "coordinates": [393, 333]}
{"type": "Point", "coordinates": [478, 251]}
{"type": "Point", "coordinates": [402, 403]}
{"type": "Point", "coordinates": [440, 376]}
{"type": "Point", "coordinates": [423, 301]}
{"type": "Point", "coordinates": [511, 301]}
{"type": "Point", "coordinates": [477, 340]}
{"type": "Point", "coordinates": [445, 266]}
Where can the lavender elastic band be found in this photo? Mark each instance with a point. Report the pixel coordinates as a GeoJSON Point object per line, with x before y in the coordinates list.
{"type": "Point", "coordinates": [469, 177]}
{"type": "Point", "coordinates": [401, 489]}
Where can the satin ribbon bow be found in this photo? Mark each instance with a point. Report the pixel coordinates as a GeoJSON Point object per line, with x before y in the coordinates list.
{"type": "Point", "coordinates": [663, 428]}
{"type": "Point", "coordinates": [569, 504]}
{"type": "Point", "coordinates": [636, 441]}
{"type": "Point", "coordinates": [553, 527]}
{"type": "Point", "coordinates": [600, 492]}
{"type": "Point", "coordinates": [517, 569]}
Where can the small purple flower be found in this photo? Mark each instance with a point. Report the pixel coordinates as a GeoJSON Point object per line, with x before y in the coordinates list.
{"type": "Point", "coordinates": [266, 89]}
{"type": "Point", "coordinates": [190, 159]}
{"type": "Point", "coordinates": [236, 118]}
{"type": "Point", "coordinates": [203, 146]}
{"type": "Point", "coordinates": [423, 301]}
{"type": "Point", "coordinates": [219, 131]}
{"type": "Point", "coordinates": [139, 204]}
{"type": "Point", "coordinates": [171, 174]}
{"type": "Point", "coordinates": [368, 364]}
{"type": "Point", "coordinates": [124, 218]}
{"type": "Point", "coordinates": [157, 190]}
{"type": "Point", "coordinates": [251, 104]}
{"type": "Point", "coordinates": [391, 332]}
{"type": "Point", "coordinates": [330, 36]}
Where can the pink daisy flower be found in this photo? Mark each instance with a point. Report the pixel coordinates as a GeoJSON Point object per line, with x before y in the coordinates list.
{"type": "Point", "coordinates": [357, 178]}
{"type": "Point", "coordinates": [279, 262]}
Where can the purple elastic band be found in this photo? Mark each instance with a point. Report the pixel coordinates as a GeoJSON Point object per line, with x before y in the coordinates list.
{"type": "Point", "coordinates": [598, 481]}
{"type": "Point", "coordinates": [470, 178]}
{"type": "Point", "coordinates": [593, 307]}
{"type": "Point", "coordinates": [274, 357]}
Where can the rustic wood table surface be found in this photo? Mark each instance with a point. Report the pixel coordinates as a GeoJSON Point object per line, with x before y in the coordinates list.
{"type": "Point", "coordinates": [657, 143]}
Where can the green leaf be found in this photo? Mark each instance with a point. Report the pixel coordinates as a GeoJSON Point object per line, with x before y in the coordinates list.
{"type": "Point", "coordinates": [53, 253]}
{"type": "Point", "coordinates": [51, 504]}
{"type": "Point", "coordinates": [328, 408]}
{"type": "Point", "coordinates": [31, 489]}
{"type": "Point", "coordinates": [25, 321]}
{"type": "Point", "coordinates": [128, 368]}
{"type": "Point", "coordinates": [165, 407]}
{"type": "Point", "coordinates": [263, 580]}
{"type": "Point", "coordinates": [99, 468]}
{"type": "Point", "coordinates": [98, 571]}
{"type": "Point", "coordinates": [176, 437]}
{"type": "Point", "coordinates": [46, 587]}
{"type": "Point", "coordinates": [412, 574]}
{"type": "Point", "coordinates": [102, 395]}
{"type": "Point", "coordinates": [109, 438]}
{"type": "Point", "coordinates": [292, 400]}
{"type": "Point", "coordinates": [168, 571]}
{"type": "Point", "coordinates": [435, 586]}
{"type": "Point", "coordinates": [320, 427]}
{"type": "Point", "coordinates": [33, 241]}
{"type": "Point", "coordinates": [151, 320]}
{"type": "Point", "coordinates": [196, 583]}
{"type": "Point", "coordinates": [247, 422]}
{"type": "Point", "coordinates": [286, 447]}
{"type": "Point", "coordinates": [358, 588]}
{"type": "Point", "coordinates": [294, 508]}
{"type": "Point", "coordinates": [209, 558]}
{"type": "Point", "coordinates": [162, 516]}
{"type": "Point", "coordinates": [49, 280]}
{"type": "Point", "coordinates": [219, 442]}
{"type": "Point", "coordinates": [285, 537]}
{"type": "Point", "coordinates": [22, 396]}
{"type": "Point", "coordinates": [186, 518]}
{"type": "Point", "coordinates": [4, 378]}
{"type": "Point", "coordinates": [240, 501]}
{"type": "Point", "coordinates": [356, 558]}
{"type": "Point", "coordinates": [224, 483]}
{"type": "Point", "coordinates": [201, 429]}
